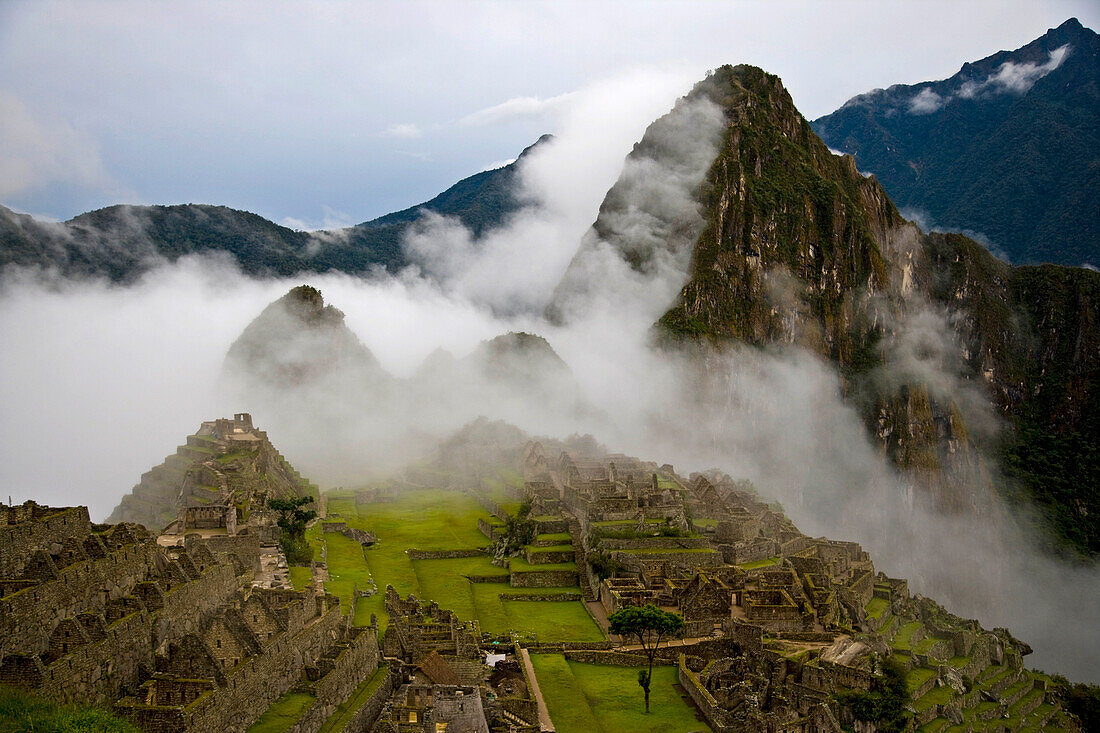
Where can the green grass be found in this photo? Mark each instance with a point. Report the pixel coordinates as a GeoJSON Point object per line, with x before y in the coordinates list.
{"type": "Point", "coordinates": [519, 565]}
{"type": "Point", "coordinates": [24, 711]}
{"type": "Point", "coordinates": [925, 645]}
{"type": "Point", "coordinates": [759, 563]}
{"type": "Point", "coordinates": [300, 577]}
{"type": "Point", "coordinates": [445, 581]}
{"type": "Point", "coordinates": [441, 520]}
{"type": "Point", "coordinates": [936, 696]}
{"type": "Point", "coordinates": [917, 677]}
{"type": "Point", "coordinates": [283, 713]}
{"type": "Point", "coordinates": [426, 519]}
{"type": "Point", "coordinates": [876, 607]}
{"type": "Point", "coordinates": [556, 537]}
{"type": "Point", "coordinates": [597, 698]}
{"type": "Point", "coordinates": [905, 635]}
{"type": "Point", "coordinates": [356, 700]}
{"type": "Point", "coordinates": [959, 662]}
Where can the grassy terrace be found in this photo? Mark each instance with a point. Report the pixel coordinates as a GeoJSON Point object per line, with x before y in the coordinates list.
{"type": "Point", "coordinates": [917, 677]}
{"type": "Point", "coordinates": [905, 634]}
{"type": "Point", "coordinates": [300, 577]}
{"type": "Point", "coordinates": [283, 713]}
{"type": "Point", "coordinates": [876, 607]}
{"type": "Point", "coordinates": [519, 565]}
{"type": "Point", "coordinates": [597, 698]}
{"type": "Point", "coordinates": [550, 548]}
{"type": "Point", "coordinates": [558, 538]}
{"type": "Point", "coordinates": [441, 520]}
{"type": "Point", "coordinates": [768, 562]}
{"type": "Point", "coordinates": [936, 696]}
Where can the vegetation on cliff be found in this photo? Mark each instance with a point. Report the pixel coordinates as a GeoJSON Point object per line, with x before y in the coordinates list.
{"type": "Point", "coordinates": [1013, 161]}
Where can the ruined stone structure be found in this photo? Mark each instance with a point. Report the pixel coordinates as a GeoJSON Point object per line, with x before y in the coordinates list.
{"type": "Point", "coordinates": [740, 569]}
{"type": "Point", "coordinates": [174, 638]}
{"type": "Point", "coordinates": [227, 469]}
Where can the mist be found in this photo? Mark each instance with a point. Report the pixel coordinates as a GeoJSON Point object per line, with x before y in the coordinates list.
{"type": "Point", "coordinates": [103, 381]}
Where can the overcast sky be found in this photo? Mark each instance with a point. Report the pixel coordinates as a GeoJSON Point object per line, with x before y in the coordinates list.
{"type": "Point", "coordinates": [333, 113]}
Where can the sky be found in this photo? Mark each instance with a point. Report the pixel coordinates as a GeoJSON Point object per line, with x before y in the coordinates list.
{"type": "Point", "coordinates": [317, 115]}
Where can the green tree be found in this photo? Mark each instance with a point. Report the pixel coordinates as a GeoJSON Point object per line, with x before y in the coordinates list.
{"type": "Point", "coordinates": [650, 626]}
{"type": "Point", "coordinates": [292, 520]}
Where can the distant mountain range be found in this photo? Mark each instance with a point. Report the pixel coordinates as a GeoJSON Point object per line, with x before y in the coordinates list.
{"type": "Point", "coordinates": [121, 242]}
{"type": "Point", "coordinates": [1007, 150]}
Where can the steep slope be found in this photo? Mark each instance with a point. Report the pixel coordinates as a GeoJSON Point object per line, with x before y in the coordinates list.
{"type": "Point", "coordinates": [122, 242]}
{"type": "Point", "coordinates": [297, 340]}
{"type": "Point", "coordinates": [932, 336]}
{"type": "Point", "coordinates": [1008, 147]}
{"type": "Point", "coordinates": [226, 462]}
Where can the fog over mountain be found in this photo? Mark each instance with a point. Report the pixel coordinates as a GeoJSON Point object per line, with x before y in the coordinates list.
{"type": "Point", "coordinates": [102, 380]}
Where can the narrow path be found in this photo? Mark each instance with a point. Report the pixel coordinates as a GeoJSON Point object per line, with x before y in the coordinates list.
{"type": "Point", "coordinates": [600, 614]}
{"type": "Point", "coordinates": [545, 724]}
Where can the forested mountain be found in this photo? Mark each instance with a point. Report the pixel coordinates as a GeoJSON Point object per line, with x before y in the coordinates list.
{"type": "Point", "coordinates": [1007, 149]}
{"type": "Point", "coordinates": [121, 242]}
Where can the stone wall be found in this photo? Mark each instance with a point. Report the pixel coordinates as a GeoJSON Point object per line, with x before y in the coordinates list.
{"type": "Point", "coordinates": [95, 672]}
{"type": "Point", "coordinates": [830, 677]}
{"type": "Point", "coordinates": [717, 718]}
{"type": "Point", "coordinates": [551, 557]}
{"type": "Point", "coordinates": [550, 597]}
{"type": "Point", "coordinates": [18, 540]}
{"type": "Point", "coordinates": [442, 554]}
{"type": "Point", "coordinates": [750, 551]}
{"type": "Point", "coordinates": [246, 547]}
{"type": "Point", "coordinates": [544, 579]}
{"type": "Point", "coordinates": [251, 687]}
{"type": "Point", "coordinates": [29, 616]}
{"type": "Point", "coordinates": [618, 659]}
{"type": "Point", "coordinates": [189, 605]}
{"type": "Point", "coordinates": [654, 543]}
{"type": "Point", "coordinates": [354, 664]}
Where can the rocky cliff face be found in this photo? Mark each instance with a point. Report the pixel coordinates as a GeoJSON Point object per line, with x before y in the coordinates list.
{"type": "Point", "coordinates": [933, 337]}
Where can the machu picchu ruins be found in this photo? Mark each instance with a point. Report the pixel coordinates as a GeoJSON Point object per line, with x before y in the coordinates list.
{"type": "Point", "coordinates": [411, 617]}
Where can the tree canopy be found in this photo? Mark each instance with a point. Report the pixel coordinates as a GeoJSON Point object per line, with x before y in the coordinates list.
{"type": "Point", "coordinates": [650, 626]}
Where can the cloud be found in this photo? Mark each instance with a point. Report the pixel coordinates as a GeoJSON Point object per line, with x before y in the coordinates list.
{"type": "Point", "coordinates": [404, 130]}
{"type": "Point", "coordinates": [1010, 77]}
{"type": "Point", "coordinates": [330, 219]}
{"type": "Point", "coordinates": [517, 107]}
{"type": "Point", "coordinates": [925, 102]}
{"type": "Point", "coordinates": [499, 164]}
{"type": "Point", "coordinates": [35, 152]}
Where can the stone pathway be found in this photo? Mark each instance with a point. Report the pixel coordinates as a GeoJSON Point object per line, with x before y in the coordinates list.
{"type": "Point", "coordinates": [545, 724]}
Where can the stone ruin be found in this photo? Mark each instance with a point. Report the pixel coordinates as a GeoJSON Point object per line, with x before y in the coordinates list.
{"type": "Point", "coordinates": [173, 638]}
